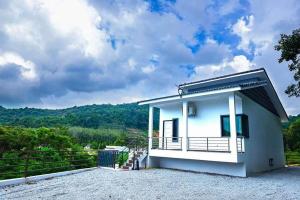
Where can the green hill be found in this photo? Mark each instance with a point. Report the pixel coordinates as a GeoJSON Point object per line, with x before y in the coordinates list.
{"type": "Point", "coordinates": [90, 116]}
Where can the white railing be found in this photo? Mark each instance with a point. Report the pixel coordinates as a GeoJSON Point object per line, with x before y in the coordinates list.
{"type": "Point", "coordinates": [209, 144]}
{"type": "Point", "coordinates": [240, 142]}
{"type": "Point", "coordinates": [214, 144]}
{"type": "Point", "coordinates": [167, 143]}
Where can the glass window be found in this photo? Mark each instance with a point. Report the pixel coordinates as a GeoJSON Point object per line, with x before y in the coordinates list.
{"type": "Point", "coordinates": [242, 128]}
{"type": "Point", "coordinates": [238, 122]}
{"type": "Point", "coordinates": [225, 126]}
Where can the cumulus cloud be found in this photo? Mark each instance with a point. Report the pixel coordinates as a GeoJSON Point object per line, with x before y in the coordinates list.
{"type": "Point", "coordinates": [237, 64]}
{"type": "Point", "coordinates": [27, 67]}
{"type": "Point", "coordinates": [82, 46]}
{"type": "Point", "coordinates": [242, 28]}
{"type": "Point", "coordinates": [272, 19]}
{"type": "Point", "coordinates": [64, 52]}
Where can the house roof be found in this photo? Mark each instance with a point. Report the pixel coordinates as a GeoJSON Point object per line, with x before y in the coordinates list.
{"type": "Point", "coordinates": [255, 84]}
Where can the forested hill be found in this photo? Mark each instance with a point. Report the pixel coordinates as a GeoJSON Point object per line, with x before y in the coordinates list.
{"type": "Point", "coordinates": [90, 116]}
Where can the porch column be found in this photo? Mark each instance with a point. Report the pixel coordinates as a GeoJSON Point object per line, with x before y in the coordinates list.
{"type": "Point", "coordinates": [150, 127]}
{"type": "Point", "coordinates": [184, 125]}
{"type": "Point", "coordinates": [232, 116]}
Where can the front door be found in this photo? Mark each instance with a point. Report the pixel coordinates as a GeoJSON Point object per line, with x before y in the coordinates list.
{"type": "Point", "coordinates": [167, 133]}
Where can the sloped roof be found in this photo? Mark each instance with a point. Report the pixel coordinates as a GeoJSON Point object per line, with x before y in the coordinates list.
{"type": "Point", "coordinates": [254, 83]}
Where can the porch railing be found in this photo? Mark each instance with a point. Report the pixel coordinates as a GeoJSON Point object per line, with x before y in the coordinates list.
{"type": "Point", "coordinates": [240, 144]}
{"type": "Point", "coordinates": [212, 144]}
{"type": "Point", "coordinates": [209, 144]}
{"type": "Point", "coordinates": [167, 143]}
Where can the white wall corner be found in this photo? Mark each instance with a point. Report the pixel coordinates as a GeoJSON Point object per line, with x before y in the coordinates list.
{"type": "Point", "coordinates": [184, 125]}
{"type": "Point", "coordinates": [232, 114]}
{"type": "Point", "coordinates": [150, 127]}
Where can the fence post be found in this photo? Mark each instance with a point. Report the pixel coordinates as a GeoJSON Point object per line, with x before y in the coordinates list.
{"type": "Point", "coordinates": [207, 144]}
{"type": "Point", "coordinates": [43, 162]}
{"type": "Point", "coordinates": [228, 144]}
{"type": "Point", "coordinates": [166, 143]}
{"type": "Point", "coordinates": [188, 143]}
{"type": "Point", "coordinates": [26, 164]}
{"type": "Point", "coordinates": [115, 159]}
{"type": "Point", "coordinates": [122, 158]}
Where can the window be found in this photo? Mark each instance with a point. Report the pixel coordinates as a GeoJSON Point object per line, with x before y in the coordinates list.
{"type": "Point", "coordinates": [242, 126]}
{"type": "Point", "coordinates": [175, 130]}
{"type": "Point", "coordinates": [225, 125]}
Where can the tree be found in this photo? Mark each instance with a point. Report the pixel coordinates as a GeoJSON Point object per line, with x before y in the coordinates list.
{"type": "Point", "coordinates": [289, 45]}
{"type": "Point", "coordinates": [292, 136]}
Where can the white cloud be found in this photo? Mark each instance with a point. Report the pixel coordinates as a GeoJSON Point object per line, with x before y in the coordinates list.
{"type": "Point", "coordinates": [91, 51]}
{"type": "Point", "coordinates": [272, 19]}
{"type": "Point", "coordinates": [236, 64]}
{"type": "Point", "coordinates": [131, 64]}
{"type": "Point", "coordinates": [77, 20]}
{"type": "Point", "coordinates": [148, 69]}
{"type": "Point", "coordinates": [242, 28]}
{"type": "Point", "coordinates": [27, 67]}
{"type": "Point", "coordinates": [240, 63]}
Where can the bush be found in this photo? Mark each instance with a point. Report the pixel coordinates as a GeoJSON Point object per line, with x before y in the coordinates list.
{"type": "Point", "coordinates": [292, 136]}
{"type": "Point", "coordinates": [28, 151]}
{"type": "Point", "coordinates": [122, 158]}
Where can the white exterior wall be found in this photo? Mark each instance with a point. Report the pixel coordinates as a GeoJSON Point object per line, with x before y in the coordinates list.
{"type": "Point", "coordinates": [205, 124]}
{"type": "Point", "coordinates": [265, 138]}
{"type": "Point", "coordinates": [231, 169]}
{"type": "Point", "coordinates": [170, 112]}
{"type": "Point", "coordinates": [207, 121]}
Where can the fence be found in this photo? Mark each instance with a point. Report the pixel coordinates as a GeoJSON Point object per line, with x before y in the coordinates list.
{"type": "Point", "coordinates": [14, 164]}
{"type": "Point", "coordinates": [292, 158]}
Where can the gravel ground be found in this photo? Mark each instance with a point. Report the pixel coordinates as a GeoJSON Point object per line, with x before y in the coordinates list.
{"type": "Point", "coordinates": [160, 184]}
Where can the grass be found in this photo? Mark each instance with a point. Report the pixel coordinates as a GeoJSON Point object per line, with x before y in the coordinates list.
{"type": "Point", "coordinates": [292, 158]}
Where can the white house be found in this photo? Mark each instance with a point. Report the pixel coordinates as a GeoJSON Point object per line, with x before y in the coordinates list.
{"type": "Point", "coordinates": [227, 125]}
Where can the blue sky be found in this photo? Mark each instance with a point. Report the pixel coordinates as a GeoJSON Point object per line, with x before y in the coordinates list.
{"type": "Point", "coordinates": [62, 53]}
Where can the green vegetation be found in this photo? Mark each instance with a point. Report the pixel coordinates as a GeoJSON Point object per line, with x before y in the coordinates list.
{"type": "Point", "coordinates": [292, 157]}
{"type": "Point", "coordinates": [122, 158]}
{"type": "Point", "coordinates": [289, 46]}
{"type": "Point", "coordinates": [61, 142]}
{"type": "Point", "coordinates": [91, 116]}
{"type": "Point", "coordinates": [292, 136]}
{"type": "Point", "coordinates": [292, 140]}
{"type": "Point", "coordinates": [99, 138]}
{"type": "Point", "coordinates": [32, 151]}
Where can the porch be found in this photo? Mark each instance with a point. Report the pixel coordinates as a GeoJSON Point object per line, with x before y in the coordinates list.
{"type": "Point", "coordinates": [205, 144]}
{"type": "Point", "coordinates": [200, 136]}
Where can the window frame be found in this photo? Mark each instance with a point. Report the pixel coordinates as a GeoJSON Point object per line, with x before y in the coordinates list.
{"type": "Point", "coordinates": [175, 139]}
{"type": "Point", "coordinates": [244, 125]}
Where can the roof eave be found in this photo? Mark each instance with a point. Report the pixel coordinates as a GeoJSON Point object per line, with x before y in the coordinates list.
{"type": "Point", "coordinates": [223, 77]}
{"type": "Point", "coordinates": [186, 96]}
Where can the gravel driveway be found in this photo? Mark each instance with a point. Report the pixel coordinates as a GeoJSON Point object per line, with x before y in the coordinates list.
{"type": "Point", "coordinates": [160, 184]}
